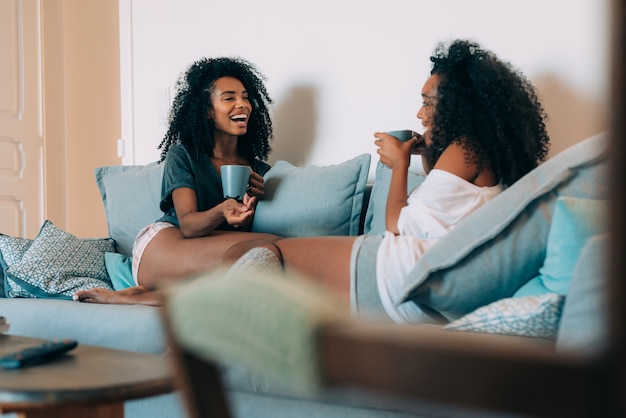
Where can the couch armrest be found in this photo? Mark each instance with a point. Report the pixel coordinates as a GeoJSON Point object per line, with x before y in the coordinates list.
{"type": "Point", "coordinates": [488, 372]}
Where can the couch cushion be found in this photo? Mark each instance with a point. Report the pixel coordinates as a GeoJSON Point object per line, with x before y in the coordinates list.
{"type": "Point", "coordinates": [313, 201]}
{"type": "Point", "coordinates": [574, 221]}
{"type": "Point", "coordinates": [502, 245]}
{"type": "Point", "coordinates": [57, 264]}
{"type": "Point", "coordinates": [585, 318]}
{"type": "Point", "coordinates": [123, 327]}
{"type": "Point", "coordinates": [131, 196]}
{"type": "Point", "coordinates": [375, 215]}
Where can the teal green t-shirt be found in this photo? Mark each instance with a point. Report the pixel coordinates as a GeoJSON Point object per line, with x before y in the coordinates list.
{"type": "Point", "coordinates": [186, 169]}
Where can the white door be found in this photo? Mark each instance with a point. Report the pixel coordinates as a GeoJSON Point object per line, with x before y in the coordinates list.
{"type": "Point", "coordinates": [21, 139]}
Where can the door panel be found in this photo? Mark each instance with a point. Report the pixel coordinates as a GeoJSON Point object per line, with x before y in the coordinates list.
{"type": "Point", "coordinates": [21, 139]}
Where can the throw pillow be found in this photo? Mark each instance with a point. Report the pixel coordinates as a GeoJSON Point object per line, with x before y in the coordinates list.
{"type": "Point", "coordinates": [375, 216]}
{"type": "Point", "coordinates": [530, 316]}
{"type": "Point", "coordinates": [12, 250]}
{"type": "Point", "coordinates": [119, 267]}
{"type": "Point", "coordinates": [131, 196]}
{"type": "Point", "coordinates": [585, 319]}
{"type": "Point", "coordinates": [57, 264]}
{"type": "Point", "coordinates": [502, 245]}
{"type": "Point", "coordinates": [313, 201]}
{"type": "Point", "coordinates": [2, 277]}
{"type": "Point", "coordinates": [573, 223]}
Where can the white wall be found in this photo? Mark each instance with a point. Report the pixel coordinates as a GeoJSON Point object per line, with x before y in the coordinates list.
{"type": "Point", "coordinates": [339, 70]}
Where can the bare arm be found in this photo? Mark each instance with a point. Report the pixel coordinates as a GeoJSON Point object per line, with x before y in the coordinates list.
{"type": "Point", "coordinates": [197, 224]}
{"type": "Point", "coordinates": [396, 198]}
{"type": "Point", "coordinates": [396, 155]}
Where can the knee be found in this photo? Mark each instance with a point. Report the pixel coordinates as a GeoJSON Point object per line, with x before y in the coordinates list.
{"type": "Point", "coordinates": [235, 251]}
{"type": "Point", "coordinates": [275, 248]}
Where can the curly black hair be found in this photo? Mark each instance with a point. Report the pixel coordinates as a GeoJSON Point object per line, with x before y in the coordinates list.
{"type": "Point", "coordinates": [189, 124]}
{"type": "Point", "coordinates": [489, 108]}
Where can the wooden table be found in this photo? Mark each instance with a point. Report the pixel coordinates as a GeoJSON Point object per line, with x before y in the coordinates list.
{"type": "Point", "coordinates": [88, 381]}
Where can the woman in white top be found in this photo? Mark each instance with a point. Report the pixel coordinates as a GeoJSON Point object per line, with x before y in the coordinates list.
{"type": "Point", "coordinates": [483, 129]}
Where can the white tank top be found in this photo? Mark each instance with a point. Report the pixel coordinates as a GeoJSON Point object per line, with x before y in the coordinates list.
{"type": "Point", "coordinates": [436, 206]}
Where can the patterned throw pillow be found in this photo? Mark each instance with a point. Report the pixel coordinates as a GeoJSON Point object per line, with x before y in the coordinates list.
{"type": "Point", "coordinates": [12, 249]}
{"type": "Point", "coordinates": [57, 264]}
{"type": "Point", "coordinates": [530, 316]}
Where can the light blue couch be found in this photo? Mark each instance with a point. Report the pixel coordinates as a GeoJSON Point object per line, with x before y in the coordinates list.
{"type": "Point", "coordinates": [484, 262]}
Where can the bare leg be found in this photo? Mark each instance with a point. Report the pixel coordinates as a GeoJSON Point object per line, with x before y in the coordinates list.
{"type": "Point", "coordinates": [323, 259]}
{"type": "Point", "coordinates": [170, 257]}
{"type": "Point", "coordinates": [133, 295]}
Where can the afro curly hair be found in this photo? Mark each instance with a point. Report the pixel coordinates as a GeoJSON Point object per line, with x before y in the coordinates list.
{"type": "Point", "coordinates": [188, 121]}
{"type": "Point", "coordinates": [489, 108]}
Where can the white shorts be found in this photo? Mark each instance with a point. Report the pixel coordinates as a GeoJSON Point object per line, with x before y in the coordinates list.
{"type": "Point", "coordinates": [142, 240]}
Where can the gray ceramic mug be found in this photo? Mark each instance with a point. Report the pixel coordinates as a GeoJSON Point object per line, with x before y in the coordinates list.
{"type": "Point", "coordinates": [235, 180]}
{"type": "Point", "coordinates": [402, 135]}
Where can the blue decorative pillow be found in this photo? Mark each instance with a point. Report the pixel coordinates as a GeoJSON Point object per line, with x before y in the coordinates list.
{"type": "Point", "coordinates": [502, 245]}
{"type": "Point", "coordinates": [575, 220]}
{"type": "Point", "coordinates": [313, 201]}
{"type": "Point", "coordinates": [375, 215]}
{"type": "Point", "coordinates": [530, 316]}
{"type": "Point", "coordinates": [585, 318]}
{"type": "Point", "coordinates": [131, 196]}
{"type": "Point", "coordinates": [57, 264]}
{"type": "Point", "coordinates": [12, 250]}
{"type": "Point", "coordinates": [119, 267]}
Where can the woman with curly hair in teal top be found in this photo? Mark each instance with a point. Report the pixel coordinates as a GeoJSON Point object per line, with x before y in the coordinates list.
{"type": "Point", "coordinates": [220, 116]}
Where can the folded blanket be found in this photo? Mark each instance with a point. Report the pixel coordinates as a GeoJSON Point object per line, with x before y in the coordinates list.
{"type": "Point", "coordinates": [266, 321]}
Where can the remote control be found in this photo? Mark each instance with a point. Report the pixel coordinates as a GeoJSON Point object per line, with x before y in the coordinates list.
{"type": "Point", "coordinates": [37, 354]}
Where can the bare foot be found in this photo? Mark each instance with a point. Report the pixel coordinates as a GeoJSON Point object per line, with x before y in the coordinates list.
{"type": "Point", "coordinates": [137, 295]}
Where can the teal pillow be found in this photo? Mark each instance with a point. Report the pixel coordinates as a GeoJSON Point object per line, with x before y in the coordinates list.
{"type": "Point", "coordinates": [57, 264]}
{"type": "Point", "coordinates": [574, 221]}
{"type": "Point", "coordinates": [375, 217]}
{"type": "Point", "coordinates": [502, 245]}
{"type": "Point", "coordinates": [584, 324]}
{"type": "Point", "coordinates": [119, 267]}
{"type": "Point", "coordinates": [131, 196]}
{"type": "Point", "coordinates": [313, 201]}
